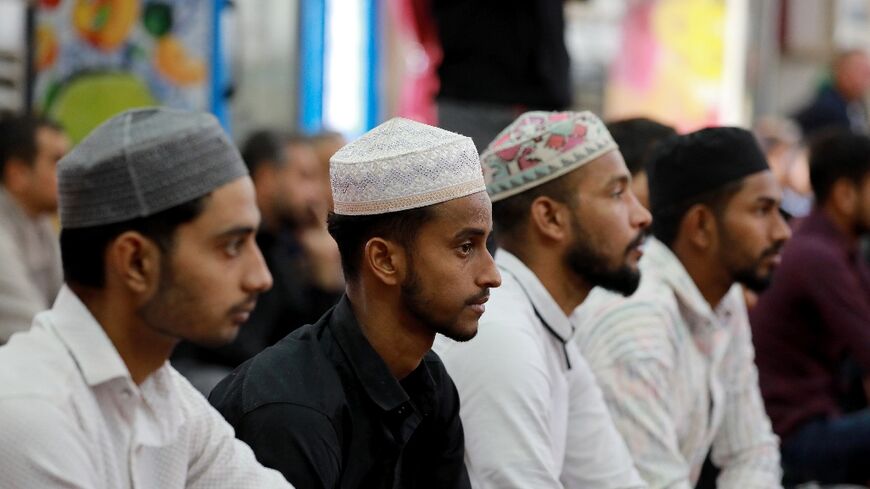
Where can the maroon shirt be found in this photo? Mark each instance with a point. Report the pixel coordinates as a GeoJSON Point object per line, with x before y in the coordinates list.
{"type": "Point", "coordinates": [815, 313]}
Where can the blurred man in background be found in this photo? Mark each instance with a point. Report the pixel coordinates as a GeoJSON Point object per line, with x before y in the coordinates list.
{"type": "Point", "coordinates": [840, 102]}
{"type": "Point", "coordinates": [500, 59]}
{"type": "Point", "coordinates": [815, 316]}
{"type": "Point", "coordinates": [29, 254]}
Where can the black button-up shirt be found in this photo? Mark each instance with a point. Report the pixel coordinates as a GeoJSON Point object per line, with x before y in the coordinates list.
{"type": "Point", "coordinates": [323, 408]}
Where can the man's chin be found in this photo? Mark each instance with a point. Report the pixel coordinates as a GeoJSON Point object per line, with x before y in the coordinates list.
{"type": "Point", "coordinates": [755, 282]}
{"type": "Point", "coordinates": [459, 334]}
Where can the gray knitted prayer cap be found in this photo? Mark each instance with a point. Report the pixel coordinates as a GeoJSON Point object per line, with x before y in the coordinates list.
{"type": "Point", "coordinates": [141, 162]}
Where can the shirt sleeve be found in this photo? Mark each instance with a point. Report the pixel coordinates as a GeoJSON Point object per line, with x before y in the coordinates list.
{"type": "Point", "coordinates": [631, 357]}
{"type": "Point", "coordinates": [40, 447]}
{"type": "Point", "coordinates": [220, 460]}
{"type": "Point", "coordinates": [506, 405]}
{"type": "Point", "coordinates": [745, 448]}
{"type": "Point", "coordinates": [20, 299]}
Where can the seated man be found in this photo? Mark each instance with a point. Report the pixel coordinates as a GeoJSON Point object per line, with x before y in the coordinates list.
{"type": "Point", "coordinates": [357, 400]}
{"type": "Point", "coordinates": [157, 237]}
{"type": "Point", "coordinates": [675, 360]}
{"type": "Point", "coordinates": [565, 222]}
{"type": "Point", "coordinates": [29, 255]}
{"type": "Point", "coordinates": [814, 316]}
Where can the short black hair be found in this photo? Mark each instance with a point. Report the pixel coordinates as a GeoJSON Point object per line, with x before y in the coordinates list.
{"type": "Point", "coordinates": [83, 249]}
{"type": "Point", "coordinates": [836, 154]}
{"type": "Point", "coordinates": [18, 138]}
{"type": "Point", "coordinates": [264, 146]}
{"type": "Point", "coordinates": [666, 221]}
{"type": "Point", "coordinates": [636, 138]}
{"type": "Point", "coordinates": [510, 215]}
{"type": "Point", "coordinates": [351, 233]}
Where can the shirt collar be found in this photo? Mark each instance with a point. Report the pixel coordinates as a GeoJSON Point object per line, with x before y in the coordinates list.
{"type": "Point", "coordinates": [546, 307]}
{"type": "Point", "coordinates": [86, 340]}
{"type": "Point", "coordinates": [371, 370]}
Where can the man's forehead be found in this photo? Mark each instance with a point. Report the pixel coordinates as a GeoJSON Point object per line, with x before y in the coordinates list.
{"type": "Point", "coordinates": [603, 170]}
{"type": "Point", "coordinates": [761, 185]}
{"type": "Point", "coordinates": [474, 208]}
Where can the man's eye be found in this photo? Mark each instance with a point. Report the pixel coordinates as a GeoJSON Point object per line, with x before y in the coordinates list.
{"type": "Point", "coordinates": [466, 248]}
{"type": "Point", "coordinates": [233, 247]}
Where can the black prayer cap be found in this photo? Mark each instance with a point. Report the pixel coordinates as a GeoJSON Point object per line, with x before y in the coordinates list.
{"type": "Point", "coordinates": [683, 167]}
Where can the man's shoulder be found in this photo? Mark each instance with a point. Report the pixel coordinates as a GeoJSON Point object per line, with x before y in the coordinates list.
{"type": "Point", "coordinates": [36, 365]}
{"type": "Point", "coordinates": [611, 327]}
{"type": "Point", "coordinates": [294, 371]}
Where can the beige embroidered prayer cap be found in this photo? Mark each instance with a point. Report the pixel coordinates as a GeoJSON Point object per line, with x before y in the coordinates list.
{"type": "Point", "coordinates": [402, 165]}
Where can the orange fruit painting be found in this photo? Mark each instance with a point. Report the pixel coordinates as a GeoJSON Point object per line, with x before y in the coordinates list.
{"type": "Point", "coordinates": [105, 24]}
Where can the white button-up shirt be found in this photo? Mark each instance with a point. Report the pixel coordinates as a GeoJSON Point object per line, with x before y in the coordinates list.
{"type": "Point", "coordinates": [532, 413]}
{"type": "Point", "coordinates": [71, 417]}
{"type": "Point", "coordinates": [679, 378]}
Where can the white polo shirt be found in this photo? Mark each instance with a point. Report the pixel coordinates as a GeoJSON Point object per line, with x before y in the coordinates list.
{"type": "Point", "coordinates": [532, 412]}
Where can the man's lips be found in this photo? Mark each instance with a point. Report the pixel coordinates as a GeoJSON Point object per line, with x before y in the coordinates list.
{"type": "Point", "coordinates": [477, 305]}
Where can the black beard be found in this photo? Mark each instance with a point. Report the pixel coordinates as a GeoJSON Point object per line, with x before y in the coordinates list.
{"type": "Point", "coordinates": [751, 280]}
{"type": "Point", "coordinates": [591, 265]}
{"type": "Point", "coordinates": [419, 308]}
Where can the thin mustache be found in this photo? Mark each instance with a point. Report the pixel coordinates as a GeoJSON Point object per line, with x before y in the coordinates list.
{"type": "Point", "coordinates": [246, 306]}
{"type": "Point", "coordinates": [773, 250]}
{"type": "Point", "coordinates": [641, 237]}
{"type": "Point", "coordinates": [479, 296]}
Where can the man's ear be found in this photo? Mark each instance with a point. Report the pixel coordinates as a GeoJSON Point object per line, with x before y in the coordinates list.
{"type": "Point", "coordinates": [699, 227]}
{"type": "Point", "coordinates": [550, 218]}
{"type": "Point", "coordinates": [844, 196]}
{"type": "Point", "coordinates": [132, 260]}
{"type": "Point", "coordinates": [16, 173]}
{"type": "Point", "coordinates": [386, 260]}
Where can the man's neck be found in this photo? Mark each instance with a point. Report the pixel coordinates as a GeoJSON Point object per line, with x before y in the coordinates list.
{"type": "Point", "coordinates": [710, 278]}
{"type": "Point", "coordinates": [400, 341]}
{"type": "Point", "coordinates": [25, 207]}
{"type": "Point", "coordinates": [142, 349]}
{"type": "Point", "coordinates": [565, 287]}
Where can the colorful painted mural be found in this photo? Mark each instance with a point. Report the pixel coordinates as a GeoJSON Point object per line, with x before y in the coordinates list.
{"type": "Point", "coordinates": [95, 58]}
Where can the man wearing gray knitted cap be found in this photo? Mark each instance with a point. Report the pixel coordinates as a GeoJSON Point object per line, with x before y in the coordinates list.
{"type": "Point", "coordinates": [158, 218]}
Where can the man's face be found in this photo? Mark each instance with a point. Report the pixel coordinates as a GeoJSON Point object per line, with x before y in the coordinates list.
{"type": "Point", "coordinates": [41, 193]}
{"type": "Point", "coordinates": [210, 279]}
{"type": "Point", "coordinates": [609, 226]}
{"type": "Point", "coordinates": [853, 76]}
{"type": "Point", "coordinates": [752, 231]}
{"type": "Point", "coordinates": [450, 269]}
{"type": "Point", "coordinates": [299, 199]}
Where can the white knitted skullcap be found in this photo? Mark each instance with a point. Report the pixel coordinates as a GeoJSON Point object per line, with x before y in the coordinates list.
{"type": "Point", "coordinates": [401, 165]}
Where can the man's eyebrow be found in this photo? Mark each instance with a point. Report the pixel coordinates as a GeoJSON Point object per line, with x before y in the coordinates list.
{"type": "Point", "coordinates": [618, 179]}
{"type": "Point", "coordinates": [469, 232]}
{"type": "Point", "coordinates": [766, 199]}
{"type": "Point", "coordinates": [236, 231]}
